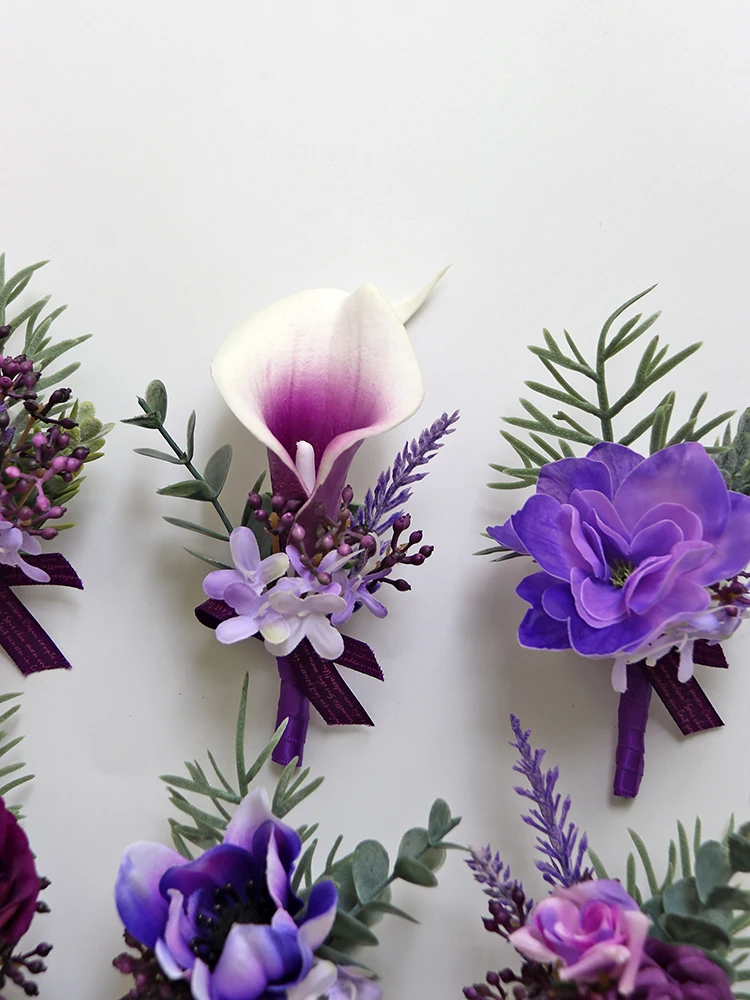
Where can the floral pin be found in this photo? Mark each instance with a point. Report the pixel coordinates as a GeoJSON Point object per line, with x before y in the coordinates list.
{"type": "Point", "coordinates": [248, 917]}
{"type": "Point", "coordinates": [312, 377]}
{"type": "Point", "coordinates": [46, 439]}
{"type": "Point", "coordinates": [591, 936]}
{"type": "Point", "coordinates": [641, 558]}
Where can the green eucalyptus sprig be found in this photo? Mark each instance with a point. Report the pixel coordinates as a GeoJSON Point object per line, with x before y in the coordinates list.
{"type": "Point", "coordinates": [552, 435]}
{"type": "Point", "coordinates": [363, 877]}
{"type": "Point", "coordinates": [6, 745]}
{"type": "Point", "coordinates": [699, 906]}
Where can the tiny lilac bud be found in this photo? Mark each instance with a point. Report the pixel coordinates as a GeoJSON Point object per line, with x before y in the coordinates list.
{"type": "Point", "coordinates": [344, 550]}
{"type": "Point", "coordinates": [39, 439]}
{"type": "Point", "coordinates": [417, 559]}
{"type": "Point", "coordinates": [255, 500]}
{"type": "Point", "coordinates": [347, 496]}
{"type": "Point", "coordinates": [507, 975]}
{"type": "Point", "coordinates": [73, 465]}
{"type": "Point", "coordinates": [42, 504]}
{"type": "Point", "coordinates": [493, 978]}
{"type": "Point", "coordinates": [368, 542]}
{"type": "Point", "coordinates": [41, 906]}
{"type": "Point", "coordinates": [56, 511]}
{"type": "Point", "coordinates": [124, 963]}
{"type": "Point", "coordinates": [5, 382]}
{"type": "Point", "coordinates": [470, 993]}
{"type": "Point", "coordinates": [286, 520]}
{"type": "Point", "coordinates": [325, 579]}
{"type": "Point", "coordinates": [24, 513]}
{"type": "Point", "coordinates": [35, 966]}
{"type": "Point", "coordinates": [26, 366]}
{"type": "Point", "coordinates": [60, 396]}
{"type": "Point", "coordinates": [415, 538]}
{"type": "Point", "coordinates": [11, 368]}
{"type": "Point", "coordinates": [48, 534]}
{"type": "Point", "coordinates": [31, 989]}
{"type": "Point", "coordinates": [401, 585]}
{"type": "Point", "coordinates": [63, 440]}
{"type": "Point", "coordinates": [293, 505]}
{"type": "Point", "coordinates": [30, 380]}
{"type": "Point", "coordinates": [326, 543]}
{"type": "Point", "coordinates": [80, 454]}
{"type": "Point", "coordinates": [261, 515]}
{"type": "Point", "coordinates": [43, 949]}
{"type": "Point", "coordinates": [489, 923]}
{"type": "Point", "coordinates": [59, 463]}
{"type": "Point", "coordinates": [427, 551]}
{"type": "Point", "coordinates": [297, 533]}
{"type": "Point", "coordinates": [13, 472]}
{"type": "Point", "coordinates": [402, 522]}
{"type": "Point", "coordinates": [277, 502]}
{"type": "Point", "coordinates": [68, 424]}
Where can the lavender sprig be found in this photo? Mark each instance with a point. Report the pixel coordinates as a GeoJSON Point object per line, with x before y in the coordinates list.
{"type": "Point", "coordinates": [557, 843]}
{"type": "Point", "coordinates": [383, 504]}
{"type": "Point", "coordinates": [490, 872]}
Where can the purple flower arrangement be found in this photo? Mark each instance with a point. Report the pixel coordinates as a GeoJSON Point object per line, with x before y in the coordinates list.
{"type": "Point", "coordinates": [45, 441]}
{"type": "Point", "coordinates": [641, 558]}
{"type": "Point", "coordinates": [311, 377]}
{"type": "Point", "coordinates": [593, 936]}
{"type": "Point", "coordinates": [247, 917]}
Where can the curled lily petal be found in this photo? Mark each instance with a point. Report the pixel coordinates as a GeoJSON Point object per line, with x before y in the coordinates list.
{"type": "Point", "coordinates": [252, 813]}
{"type": "Point", "coordinates": [321, 367]}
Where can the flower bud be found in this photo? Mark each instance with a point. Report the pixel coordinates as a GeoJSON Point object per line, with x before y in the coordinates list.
{"type": "Point", "coordinates": [415, 538]}
{"type": "Point", "coordinates": [297, 533]}
{"type": "Point", "coordinates": [347, 496]}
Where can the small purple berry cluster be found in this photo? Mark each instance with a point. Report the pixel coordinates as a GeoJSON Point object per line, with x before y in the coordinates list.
{"type": "Point", "coordinates": [15, 968]}
{"type": "Point", "coordinates": [41, 452]}
{"type": "Point", "coordinates": [343, 535]}
{"type": "Point", "coordinates": [150, 981]}
{"type": "Point", "coordinates": [534, 982]}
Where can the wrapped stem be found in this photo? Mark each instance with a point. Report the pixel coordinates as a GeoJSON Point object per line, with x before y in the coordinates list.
{"type": "Point", "coordinates": [295, 706]}
{"type": "Point", "coordinates": [632, 718]}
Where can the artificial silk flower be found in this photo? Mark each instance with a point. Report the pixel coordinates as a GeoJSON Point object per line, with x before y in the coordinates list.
{"type": "Point", "coordinates": [641, 558]}
{"type": "Point", "coordinates": [593, 939]}
{"type": "Point", "coordinates": [46, 438]}
{"type": "Point", "coordinates": [312, 377]}
{"type": "Point", "coordinates": [254, 916]}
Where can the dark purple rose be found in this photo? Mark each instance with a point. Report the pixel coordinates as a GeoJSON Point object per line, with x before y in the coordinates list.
{"type": "Point", "coordinates": [19, 882]}
{"type": "Point", "coordinates": [229, 923]}
{"type": "Point", "coordinates": [679, 972]}
{"type": "Point", "coordinates": [628, 549]}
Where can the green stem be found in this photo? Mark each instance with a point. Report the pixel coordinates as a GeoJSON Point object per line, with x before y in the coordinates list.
{"type": "Point", "coordinates": [601, 390]}
{"type": "Point", "coordinates": [188, 465]}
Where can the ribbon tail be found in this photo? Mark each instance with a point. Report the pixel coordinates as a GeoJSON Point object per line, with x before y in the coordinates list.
{"type": "Point", "coordinates": [632, 718]}
{"type": "Point", "coordinates": [687, 702]}
{"type": "Point", "coordinates": [295, 707]}
{"type": "Point", "coordinates": [24, 639]}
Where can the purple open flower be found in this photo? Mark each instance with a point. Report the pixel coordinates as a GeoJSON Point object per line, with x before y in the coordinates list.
{"type": "Point", "coordinates": [14, 542]}
{"type": "Point", "coordinates": [628, 548]}
{"type": "Point", "coordinates": [229, 922]}
{"type": "Point", "coordinates": [589, 930]}
{"type": "Point", "coordinates": [311, 377]}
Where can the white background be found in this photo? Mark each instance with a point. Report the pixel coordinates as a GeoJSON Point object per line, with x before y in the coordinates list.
{"type": "Point", "coordinates": [183, 164]}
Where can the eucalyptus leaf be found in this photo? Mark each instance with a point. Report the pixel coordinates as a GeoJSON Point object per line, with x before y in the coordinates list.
{"type": "Point", "coordinates": [162, 456]}
{"type": "Point", "coordinates": [415, 843]}
{"type": "Point", "coordinates": [440, 822]}
{"type": "Point", "coordinates": [156, 397]}
{"type": "Point", "coordinates": [190, 437]}
{"type": "Point", "coordinates": [149, 420]}
{"type": "Point", "coordinates": [378, 908]}
{"type": "Point", "coordinates": [695, 931]}
{"type": "Point", "coordinates": [217, 468]}
{"type": "Point", "coordinates": [729, 897]}
{"type": "Point", "coordinates": [178, 522]}
{"type": "Point", "coordinates": [190, 489]}
{"type": "Point", "coordinates": [351, 930]}
{"type": "Point", "coordinates": [682, 897]}
{"type": "Point", "coordinates": [370, 868]}
{"type": "Point", "coordinates": [711, 868]}
{"type": "Point", "coordinates": [739, 852]}
{"type": "Point", "coordinates": [411, 870]}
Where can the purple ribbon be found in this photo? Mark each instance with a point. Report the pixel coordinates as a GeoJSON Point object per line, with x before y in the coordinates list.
{"type": "Point", "coordinates": [687, 703]}
{"type": "Point", "coordinates": [21, 635]}
{"type": "Point", "coordinates": [308, 678]}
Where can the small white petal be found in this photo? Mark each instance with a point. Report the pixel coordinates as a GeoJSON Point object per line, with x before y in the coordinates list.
{"type": "Point", "coordinates": [326, 640]}
{"type": "Point", "coordinates": [275, 630]}
{"type": "Point", "coordinates": [685, 669]}
{"type": "Point", "coordinates": [316, 983]}
{"type": "Point", "coordinates": [273, 567]}
{"type": "Point", "coordinates": [620, 674]}
{"type": "Point", "coordinates": [236, 629]}
{"type": "Point", "coordinates": [305, 463]}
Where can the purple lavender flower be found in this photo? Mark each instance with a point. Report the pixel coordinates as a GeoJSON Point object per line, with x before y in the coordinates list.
{"type": "Point", "coordinates": [229, 922]}
{"type": "Point", "coordinates": [679, 972]}
{"type": "Point", "coordinates": [558, 844]}
{"type": "Point", "coordinates": [491, 873]}
{"type": "Point", "coordinates": [382, 505]}
{"type": "Point", "coordinates": [628, 549]}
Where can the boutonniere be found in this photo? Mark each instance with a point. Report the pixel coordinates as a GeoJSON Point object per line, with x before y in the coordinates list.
{"type": "Point", "coordinates": [47, 437]}
{"type": "Point", "coordinates": [594, 936]}
{"type": "Point", "coordinates": [312, 377]}
{"type": "Point", "coordinates": [641, 548]}
{"type": "Point", "coordinates": [252, 914]}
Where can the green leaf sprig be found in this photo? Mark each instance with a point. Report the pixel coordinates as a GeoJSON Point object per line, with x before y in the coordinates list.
{"type": "Point", "coordinates": [6, 745]}
{"type": "Point", "coordinates": [551, 435]}
{"type": "Point", "coordinates": [364, 877]}
{"type": "Point", "coordinates": [699, 905]}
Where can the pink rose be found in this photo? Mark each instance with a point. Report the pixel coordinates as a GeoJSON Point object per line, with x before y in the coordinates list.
{"type": "Point", "coordinates": [588, 930]}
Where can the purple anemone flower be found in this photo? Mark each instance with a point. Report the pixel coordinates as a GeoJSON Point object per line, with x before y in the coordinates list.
{"type": "Point", "coordinates": [313, 376]}
{"type": "Point", "coordinates": [229, 922]}
{"type": "Point", "coordinates": [628, 547]}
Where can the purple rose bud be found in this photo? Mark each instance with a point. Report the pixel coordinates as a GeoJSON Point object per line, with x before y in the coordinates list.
{"type": "Point", "coordinates": [587, 931]}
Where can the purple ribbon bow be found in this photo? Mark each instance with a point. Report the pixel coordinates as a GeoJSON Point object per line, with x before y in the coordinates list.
{"type": "Point", "coordinates": [687, 703]}
{"type": "Point", "coordinates": [21, 635]}
{"type": "Point", "coordinates": [308, 678]}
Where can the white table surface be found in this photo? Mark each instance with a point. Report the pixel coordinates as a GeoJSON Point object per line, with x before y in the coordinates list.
{"type": "Point", "coordinates": [183, 164]}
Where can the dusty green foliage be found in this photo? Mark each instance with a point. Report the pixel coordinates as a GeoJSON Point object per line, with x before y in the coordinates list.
{"type": "Point", "coordinates": [697, 902]}
{"type": "Point", "coordinates": [363, 877]}
{"type": "Point", "coordinates": [552, 436]}
{"type": "Point", "coordinates": [6, 745]}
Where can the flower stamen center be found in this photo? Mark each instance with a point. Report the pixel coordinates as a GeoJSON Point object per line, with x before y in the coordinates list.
{"type": "Point", "coordinates": [619, 571]}
{"type": "Point", "coordinates": [221, 909]}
